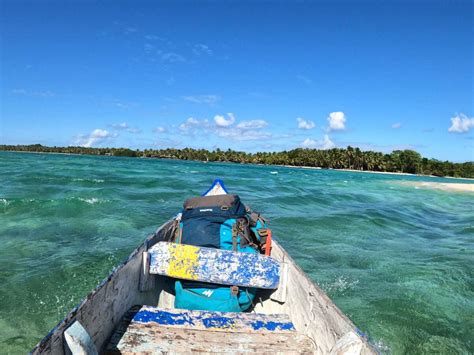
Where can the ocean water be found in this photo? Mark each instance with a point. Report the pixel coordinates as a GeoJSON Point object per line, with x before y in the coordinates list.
{"type": "Point", "coordinates": [397, 259]}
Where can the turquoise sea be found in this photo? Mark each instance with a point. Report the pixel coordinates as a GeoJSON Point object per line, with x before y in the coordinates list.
{"type": "Point", "coordinates": [397, 259]}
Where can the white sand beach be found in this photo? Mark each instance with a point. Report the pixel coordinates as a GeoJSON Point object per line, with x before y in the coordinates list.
{"type": "Point", "coordinates": [446, 186]}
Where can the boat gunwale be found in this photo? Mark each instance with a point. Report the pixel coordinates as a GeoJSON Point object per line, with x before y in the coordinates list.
{"type": "Point", "coordinates": [322, 294]}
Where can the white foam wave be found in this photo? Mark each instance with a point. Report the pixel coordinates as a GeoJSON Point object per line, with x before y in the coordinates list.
{"type": "Point", "coordinates": [341, 284]}
{"type": "Point", "coordinates": [4, 202]}
{"type": "Point", "coordinates": [97, 181]}
{"type": "Point", "coordinates": [274, 172]}
{"type": "Point", "coordinates": [91, 201]}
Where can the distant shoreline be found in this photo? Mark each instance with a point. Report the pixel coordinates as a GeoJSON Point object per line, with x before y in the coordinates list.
{"type": "Point", "coordinates": [284, 166]}
{"type": "Point", "coordinates": [445, 186]}
{"type": "Point", "coordinates": [373, 172]}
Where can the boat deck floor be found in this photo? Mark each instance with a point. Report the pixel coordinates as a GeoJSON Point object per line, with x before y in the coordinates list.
{"type": "Point", "coordinates": [151, 330]}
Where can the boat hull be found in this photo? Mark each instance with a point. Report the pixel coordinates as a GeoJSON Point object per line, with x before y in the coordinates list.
{"type": "Point", "coordinates": [312, 312]}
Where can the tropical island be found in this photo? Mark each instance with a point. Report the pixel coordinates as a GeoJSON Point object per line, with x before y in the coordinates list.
{"type": "Point", "coordinates": [399, 161]}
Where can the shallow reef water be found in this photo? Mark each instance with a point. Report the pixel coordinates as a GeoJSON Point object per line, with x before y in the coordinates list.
{"type": "Point", "coordinates": [398, 260]}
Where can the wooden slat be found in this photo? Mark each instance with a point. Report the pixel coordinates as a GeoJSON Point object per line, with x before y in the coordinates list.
{"type": "Point", "coordinates": [205, 320]}
{"type": "Point", "coordinates": [172, 331]}
{"type": "Point", "coordinates": [214, 265]}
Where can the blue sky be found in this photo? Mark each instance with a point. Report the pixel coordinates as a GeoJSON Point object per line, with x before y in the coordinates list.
{"type": "Point", "coordinates": [241, 75]}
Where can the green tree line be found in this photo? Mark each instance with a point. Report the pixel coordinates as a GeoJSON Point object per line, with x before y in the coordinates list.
{"type": "Point", "coordinates": [402, 161]}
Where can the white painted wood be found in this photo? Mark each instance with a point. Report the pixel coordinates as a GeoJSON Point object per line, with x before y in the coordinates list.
{"type": "Point", "coordinates": [142, 339]}
{"type": "Point", "coordinates": [147, 281]}
{"type": "Point", "coordinates": [78, 341]}
{"type": "Point", "coordinates": [223, 267]}
{"type": "Point", "coordinates": [349, 344]}
{"type": "Point", "coordinates": [281, 292]}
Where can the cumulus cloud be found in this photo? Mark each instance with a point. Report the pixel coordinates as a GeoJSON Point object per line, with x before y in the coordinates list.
{"type": "Point", "coordinates": [305, 124]}
{"type": "Point", "coordinates": [253, 124]}
{"type": "Point", "coordinates": [190, 122]}
{"type": "Point", "coordinates": [123, 126]}
{"type": "Point", "coordinates": [129, 30]}
{"type": "Point", "coordinates": [134, 130]}
{"type": "Point", "coordinates": [120, 126]}
{"type": "Point", "coordinates": [337, 121]}
{"type": "Point", "coordinates": [325, 143]}
{"type": "Point", "coordinates": [200, 49]}
{"type": "Point", "coordinates": [239, 134]}
{"type": "Point", "coordinates": [96, 137]}
{"type": "Point", "coordinates": [461, 123]}
{"type": "Point", "coordinates": [308, 143]}
{"type": "Point", "coordinates": [396, 125]}
{"type": "Point", "coordinates": [159, 129]}
{"type": "Point", "coordinates": [202, 99]}
{"type": "Point", "coordinates": [222, 122]}
{"type": "Point", "coordinates": [244, 131]}
{"type": "Point", "coordinates": [171, 57]}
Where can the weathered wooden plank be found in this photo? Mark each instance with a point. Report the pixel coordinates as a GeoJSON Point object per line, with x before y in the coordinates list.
{"type": "Point", "coordinates": [78, 341]}
{"type": "Point", "coordinates": [147, 281]}
{"type": "Point", "coordinates": [219, 266]}
{"type": "Point", "coordinates": [151, 338]}
{"type": "Point", "coordinates": [205, 320]}
{"type": "Point", "coordinates": [280, 293]}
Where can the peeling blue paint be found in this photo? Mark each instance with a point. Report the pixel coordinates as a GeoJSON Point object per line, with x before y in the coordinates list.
{"type": "Point", "coordinates": [218, 322]}
{"type": "Point", "coordinates": [257, 325]}
{"type": "Point", "coordinates": [163, 317]}
{"type": "Point", "coordinates": [211, 320]}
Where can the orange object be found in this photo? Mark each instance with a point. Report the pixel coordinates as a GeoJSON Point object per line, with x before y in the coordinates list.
{"type": "Point", "coordinates": [268, 243]}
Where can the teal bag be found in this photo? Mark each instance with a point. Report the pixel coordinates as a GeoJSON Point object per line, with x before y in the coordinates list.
{"type": "Point", "coordinates": [218, 299]}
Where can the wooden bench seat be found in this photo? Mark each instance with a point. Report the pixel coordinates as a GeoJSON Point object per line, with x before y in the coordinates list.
{"type": "Point", "coordinates": [153, 330]}
{"type": "Point", "coordinates": [224, 267]}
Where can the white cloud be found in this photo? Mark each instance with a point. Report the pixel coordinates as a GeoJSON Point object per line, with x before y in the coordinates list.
{"type": "Point", "coordinates": [125, 127]}
{"type": "Point", "coordinates": [308, 143]}
{"type": "Point", "coordinates": [305, 124]}
{"type": "Point", "coordinates": [199, 49]}
{"type": "Point", "coordinates": [134, 130]}
{"type": "Point", "coordinates": [396, 125]}
{"type": "Point", "coordinates": [238, 134]}
{"type": "Point", "coordinates": [202, 99]}
{"type": "Point", "coordinates": [159, 129]}
{"type": "Point", "coordinates": [19, 92]}
{"type": "Point", "coordinates": [253, 124]}
{"type": "Point", "coordinates": [244, 131]}
{"type": "Point", "coordinates": [304, 79]}
{"type": "Point", "coordinates": [461, 123]}
{"type": "Point", "coordinates": [222, 122]}
{"type": "Point", "coordinates": [337, 121]}
{"type": "Point", "coordinates": [149, 47]}
{"type": "Point", "coordinates": [325, 143]}
{"type": "Point", "coordinates": [44, 94]}
{"type": "Point", "coordinates": [190, 122]}
{"type": "Point", "coordinates": [153, 37]}
{"type": "Point", "coordinates": [130, 30]}
{"type": "Point", "coordinates": [120, 126]}
{"type": "Point", "coordinates": [171, 57]}
{"type": "Point", "coordinates": [97, 136]}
